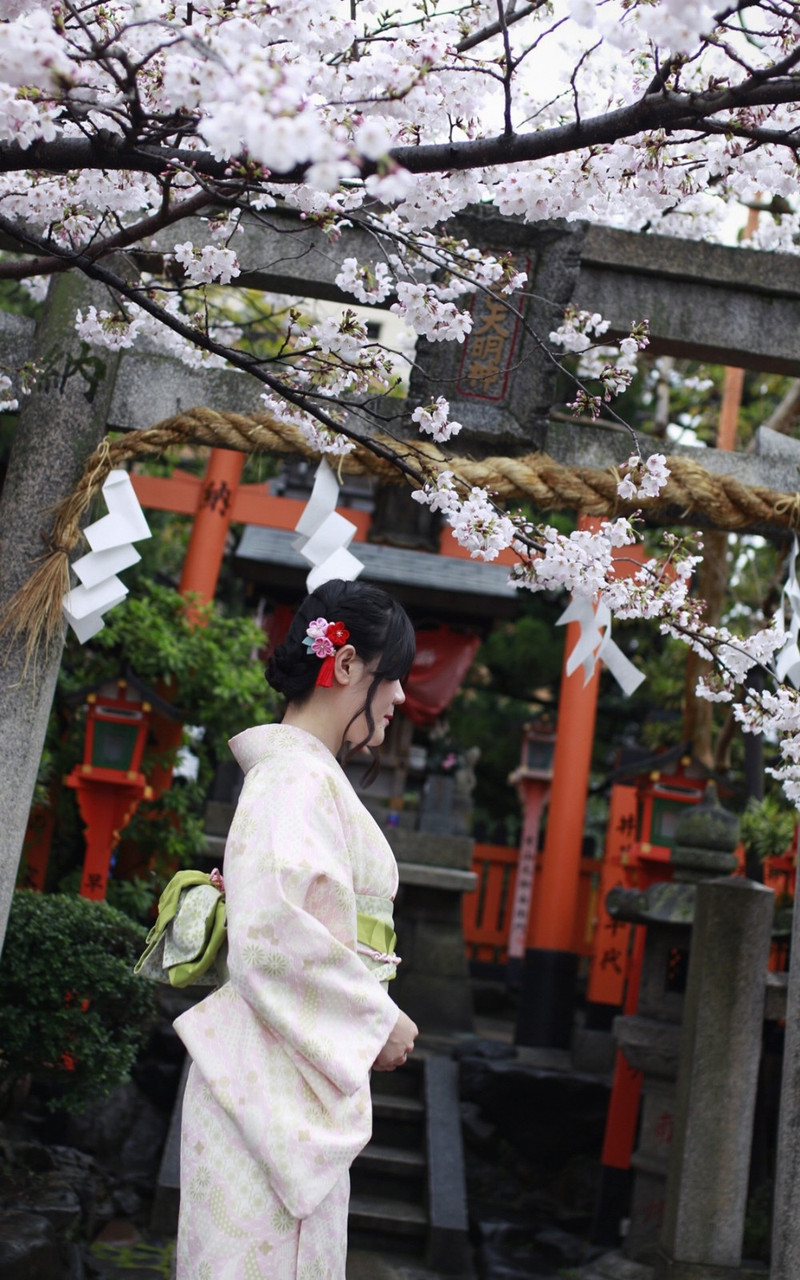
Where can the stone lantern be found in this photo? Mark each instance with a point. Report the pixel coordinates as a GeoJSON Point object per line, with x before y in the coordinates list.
{"type": "Point", "coordinates": [706, 836]}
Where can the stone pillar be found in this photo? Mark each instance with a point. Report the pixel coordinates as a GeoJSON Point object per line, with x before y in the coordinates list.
{"type": "Point", "coordinates": [500, 383]}
{"type": "Point", "coordinates": [785, 1216]}
{"type": "Point", "coordinates": [60, 424]}
{"type": "Point", "coordinates": [432, 983]}
{"type": "Point", "coordinates": [705, 837]}
{"type": "Point", "coordinates": [720, 1052]}
{"type": "Point", "coordinates": [649, 1040]}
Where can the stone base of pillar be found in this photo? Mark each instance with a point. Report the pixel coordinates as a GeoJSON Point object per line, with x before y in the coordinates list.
{"type": "Point", "coordinates": [547, 999]}
{"type": "Point", "coordinates": [668, 1269]}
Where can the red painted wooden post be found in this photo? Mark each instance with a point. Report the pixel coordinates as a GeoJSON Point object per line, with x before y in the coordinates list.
{"type": "Point", "coordinates": [609, 963]}
{"type": "Point", "coordinates": [212, 522]}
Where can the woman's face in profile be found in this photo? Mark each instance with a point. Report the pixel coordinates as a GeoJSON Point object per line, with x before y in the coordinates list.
{"type": "Point", "coordinates": [386, 697]}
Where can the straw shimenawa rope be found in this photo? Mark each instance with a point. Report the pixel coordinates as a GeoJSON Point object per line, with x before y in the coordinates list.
{"type": "Point", "coordinates": [34, 613]}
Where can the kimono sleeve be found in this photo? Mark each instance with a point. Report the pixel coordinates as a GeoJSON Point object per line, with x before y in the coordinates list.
{"type": "Point", "coordinates": [292, 924]}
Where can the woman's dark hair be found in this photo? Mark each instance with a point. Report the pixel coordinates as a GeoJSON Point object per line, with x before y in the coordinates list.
{"type": "Point", "coordinates": [379, 628]}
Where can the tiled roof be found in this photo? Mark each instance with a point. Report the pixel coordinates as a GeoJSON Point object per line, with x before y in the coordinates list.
{"type": "Point", "coordinates": [390, 566]}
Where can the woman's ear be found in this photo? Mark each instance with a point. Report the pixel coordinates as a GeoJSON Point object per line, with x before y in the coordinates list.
{"type": "Point", "coordinates": [344, 664]}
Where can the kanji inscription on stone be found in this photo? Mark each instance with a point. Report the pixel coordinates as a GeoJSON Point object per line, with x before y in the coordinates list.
{"type": "Point", "coordinates": [492, 345]}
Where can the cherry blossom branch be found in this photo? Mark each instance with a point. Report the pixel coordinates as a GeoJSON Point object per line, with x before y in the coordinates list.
{"type": "Point", "coordinates": [252, 365]}
{"type": "Point", "coordinates": [507, 19]}
{"type": "Point", "coordinates": [123, 239]}
{"type": "Point", "coordinates": [755, 134]}
{"type": "Point", "coordinates": [663, 110]}
{"type": "Point", "coordinates": [656, 111]}
{"type": "Point", "coordinates": [508, 70]}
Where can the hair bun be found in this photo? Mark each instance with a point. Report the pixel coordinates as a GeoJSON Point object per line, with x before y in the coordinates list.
{"type": "Point", "coordinates": [379, 631]}
{"type": "Point", "coordinates": [289, 673]}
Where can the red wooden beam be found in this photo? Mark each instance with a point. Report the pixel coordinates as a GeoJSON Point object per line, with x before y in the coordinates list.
{"type": "Point", "coordinates": [253, 504]}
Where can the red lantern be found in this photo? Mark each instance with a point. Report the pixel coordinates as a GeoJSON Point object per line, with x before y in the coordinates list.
{"type": "Point", "coordinates": [109, 783]}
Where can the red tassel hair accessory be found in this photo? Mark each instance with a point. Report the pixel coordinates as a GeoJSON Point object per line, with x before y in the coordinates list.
{"type": "Point", "coordinates": [322, 639]}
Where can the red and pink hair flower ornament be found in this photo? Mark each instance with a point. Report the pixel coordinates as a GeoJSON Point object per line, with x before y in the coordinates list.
{"type": "Point", "coordinates": [322, 639]}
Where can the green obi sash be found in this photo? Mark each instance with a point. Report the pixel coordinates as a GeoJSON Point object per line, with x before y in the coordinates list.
{"type": "Point", "coordinates": [187, 945]}
{"type": "Point", "coordinates": [375, 934]}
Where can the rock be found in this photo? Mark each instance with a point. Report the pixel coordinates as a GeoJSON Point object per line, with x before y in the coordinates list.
{"type": "Point", "coordinates": [158, 1081]}
{"type": "Point", "coordinates": [73, 1160]}
{"type": "Point", "coordinates": [28, 1248]}
{"type": "Point", "coordinates": [546, 1115]}
{"type": "Point", "coordinates": [89, 1181]}
{"type": "Point", "coordinates": [140, 1155]}
{"type": "Point", "coordinates": [562, 1247]}
{"type": "Point", "coordinates": [507, 1252]}
{"type": "Point", "coordinates": [29, 1155]}
{"type": "Point", "coordinates": [478, 1131]}
{"type": "Point", "coordinates": [125, 1133]}
{"type": "Point", "coordinates": [496, 1267]}
{"type": "Point", "coordinates": [615, 1266]}
{"type": "Point", "coordinates": [101, 1131]}
{"type": "Point", "coordinates": [55, 1200]}
{"type": "Point", "coordinates": [72, 1255]}
{"type": "Point", "coordinates": [491, 1050]}
{"type": "Point", "coordinates": [126, 1201]}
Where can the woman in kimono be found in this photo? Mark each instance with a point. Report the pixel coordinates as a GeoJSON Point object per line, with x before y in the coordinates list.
{"type": "Point", "coordinates": [277, 1103]}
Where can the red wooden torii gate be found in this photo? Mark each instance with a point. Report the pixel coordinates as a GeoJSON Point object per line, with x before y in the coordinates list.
{"type": "Point", "coordinates": [219, 499]}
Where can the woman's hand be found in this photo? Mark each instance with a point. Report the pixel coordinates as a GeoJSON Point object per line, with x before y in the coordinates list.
{"type": "Point", "coordinates": [399, 1045]}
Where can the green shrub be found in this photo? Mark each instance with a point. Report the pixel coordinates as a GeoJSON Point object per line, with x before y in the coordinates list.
{"type": "Point", "coordinates": [136, 898]}
{"type": "Point", "coordinates": [72, 1015]}
{"type": "Point", "coordinates": [767, 827]}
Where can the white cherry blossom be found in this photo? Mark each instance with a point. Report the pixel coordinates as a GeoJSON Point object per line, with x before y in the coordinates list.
{"type": "Point", "coordinates": [207, 264]}
{"type": "Point", "coordinates": [435, 420]}
{"type": "Point", "coordinates": [644, 478]}
{"type": "Point", "coordinates": [156, 128]}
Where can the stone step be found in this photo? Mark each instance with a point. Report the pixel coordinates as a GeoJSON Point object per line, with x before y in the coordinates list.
{"type": "Point", "coordinates": [398, 1121]}
{"type": "Point", "coordinates": [397, 1107]}
{"type": "Point", "coordinates": [385, 1216]}
{"type": "Point", "coordinates": [391, 1172]}
{"type": "Point", "coordinates": [407, 1080]}
{"type": "Point", "coordinates": [381, 1158]}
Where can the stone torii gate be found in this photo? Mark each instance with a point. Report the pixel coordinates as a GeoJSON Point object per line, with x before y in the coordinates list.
{"type": "Point", "coordinates": [733, 306]}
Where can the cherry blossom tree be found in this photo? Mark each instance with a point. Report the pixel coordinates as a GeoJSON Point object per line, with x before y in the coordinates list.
{"type": "Point", "coordinates": [122, 119]}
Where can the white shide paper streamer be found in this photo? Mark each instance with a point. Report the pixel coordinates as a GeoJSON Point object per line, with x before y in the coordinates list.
{"type": "Point", "coordinates": [595, 644]}
{"type": "Point", "coordinates": [110, 540]}
{"type": "Point", "coordinates": [325, 535]}
{"type": "Point", "coordinates": [787, 660]}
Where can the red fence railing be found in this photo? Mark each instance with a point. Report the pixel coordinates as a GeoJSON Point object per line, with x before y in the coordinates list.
{"type": "Point", "coordinates": [486, 911]}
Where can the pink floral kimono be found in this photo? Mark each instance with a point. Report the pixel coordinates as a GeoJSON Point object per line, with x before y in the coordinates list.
{"type": "Point", "coordinates": [277, 1104]}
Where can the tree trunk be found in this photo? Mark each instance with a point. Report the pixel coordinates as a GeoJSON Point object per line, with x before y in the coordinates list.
{"type": "Point", "coordinates": [712, 579]}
